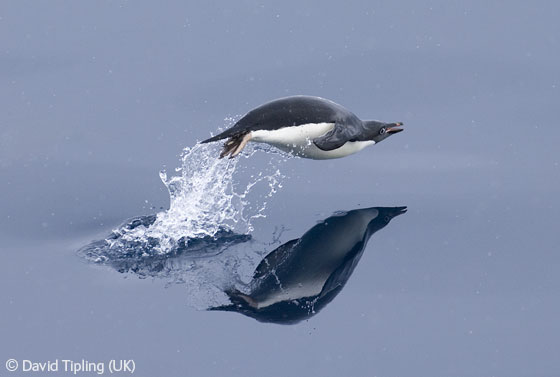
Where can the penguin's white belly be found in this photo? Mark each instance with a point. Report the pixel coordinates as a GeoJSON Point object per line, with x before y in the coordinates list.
{"type": "Point", "coordinates": [308, 288]}
{"type": "Point", "coordinates": [298, 140]}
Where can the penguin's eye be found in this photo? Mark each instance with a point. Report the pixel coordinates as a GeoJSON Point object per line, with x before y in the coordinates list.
{"type": "Point", "coordinates": [382, 131]}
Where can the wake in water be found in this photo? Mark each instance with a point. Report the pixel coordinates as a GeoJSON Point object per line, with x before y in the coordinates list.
{"type": "Point", "coordinates": [135, 256]}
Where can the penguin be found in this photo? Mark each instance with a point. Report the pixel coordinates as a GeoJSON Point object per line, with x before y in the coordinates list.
{"type": "Point", "coordinates": [305, 126]}
{"type": "Point", "coordinates": [300, 277]}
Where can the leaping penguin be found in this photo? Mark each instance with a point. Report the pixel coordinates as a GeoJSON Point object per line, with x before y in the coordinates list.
{"type": "Point", "coordinates": [306, 126]}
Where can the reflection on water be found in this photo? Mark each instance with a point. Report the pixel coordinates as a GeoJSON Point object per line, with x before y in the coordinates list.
{"type": "Point", "coordinates": [292, 283]}
{"type": "Point", "coordinates": [302, 276]}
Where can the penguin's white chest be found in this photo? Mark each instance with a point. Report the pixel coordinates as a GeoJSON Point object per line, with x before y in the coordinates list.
{"type": "Point", "coordinates": [298, 140]}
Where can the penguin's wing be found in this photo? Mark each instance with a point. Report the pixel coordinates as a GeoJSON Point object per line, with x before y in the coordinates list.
{"type": "Point", "coordinates": [274, 258]}
{"type": "Point", "coordinates": [340, 276]}
{"type": "Point", "coordinates": [335, 138]}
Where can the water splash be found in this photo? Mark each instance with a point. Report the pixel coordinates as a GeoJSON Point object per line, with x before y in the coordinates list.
{"type": "Point", "coordinates": [208, 200]}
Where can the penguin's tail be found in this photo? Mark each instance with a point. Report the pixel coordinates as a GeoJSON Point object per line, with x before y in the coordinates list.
{"type": "Point", "coordinates": [214, 138]}
{"type": "Point", "coordinates": [234, 144]}
{"type": "Point", "coordinates": [224, 308]}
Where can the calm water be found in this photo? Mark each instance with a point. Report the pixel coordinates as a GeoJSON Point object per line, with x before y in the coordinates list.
{"type": "Point", "coordinates": [98, 98]}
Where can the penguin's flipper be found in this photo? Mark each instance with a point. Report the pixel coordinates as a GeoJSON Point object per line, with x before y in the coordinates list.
{"type": "Point", "coordinates": [335, 138]}
{"type": "Point", "coordinates": [274, 259]}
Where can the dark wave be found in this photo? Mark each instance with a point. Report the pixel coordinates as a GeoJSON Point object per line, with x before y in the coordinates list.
{"type": "Point", "coordinates": [144, 257]}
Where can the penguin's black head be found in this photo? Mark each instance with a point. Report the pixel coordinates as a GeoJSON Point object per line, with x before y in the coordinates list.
{"type": "Point", "coordinates": [378, 131]}
{"type": "Point", "coordinates": [385, 215]}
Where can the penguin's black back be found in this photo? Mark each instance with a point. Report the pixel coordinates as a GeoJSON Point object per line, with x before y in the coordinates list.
{"type": "Point", "coordinates": [288, 112]}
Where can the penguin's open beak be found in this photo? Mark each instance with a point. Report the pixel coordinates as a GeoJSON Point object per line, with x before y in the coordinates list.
{"type": "Point", "coordinates": [393, 128]}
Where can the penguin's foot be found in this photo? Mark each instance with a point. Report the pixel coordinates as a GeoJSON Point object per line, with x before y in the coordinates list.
{"type": "Point", "coordinates": [235, 144]}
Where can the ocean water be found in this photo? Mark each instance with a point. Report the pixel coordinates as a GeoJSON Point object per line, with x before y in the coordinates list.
{"type": "Point", "coordinates": [125, 239]}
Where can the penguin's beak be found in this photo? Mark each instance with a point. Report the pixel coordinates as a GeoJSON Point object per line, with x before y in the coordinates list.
{"type": "Point", "coordinates": [393, 128]}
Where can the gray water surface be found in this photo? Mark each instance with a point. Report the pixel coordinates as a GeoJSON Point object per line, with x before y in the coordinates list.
{"type": "Point", "coordinates": [98, 97]}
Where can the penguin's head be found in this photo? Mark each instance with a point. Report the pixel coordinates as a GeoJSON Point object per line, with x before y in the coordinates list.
{"type": "Point", "coordinates": [384, 216]}
{"type": "Point", "coordinates": [378, 131]}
